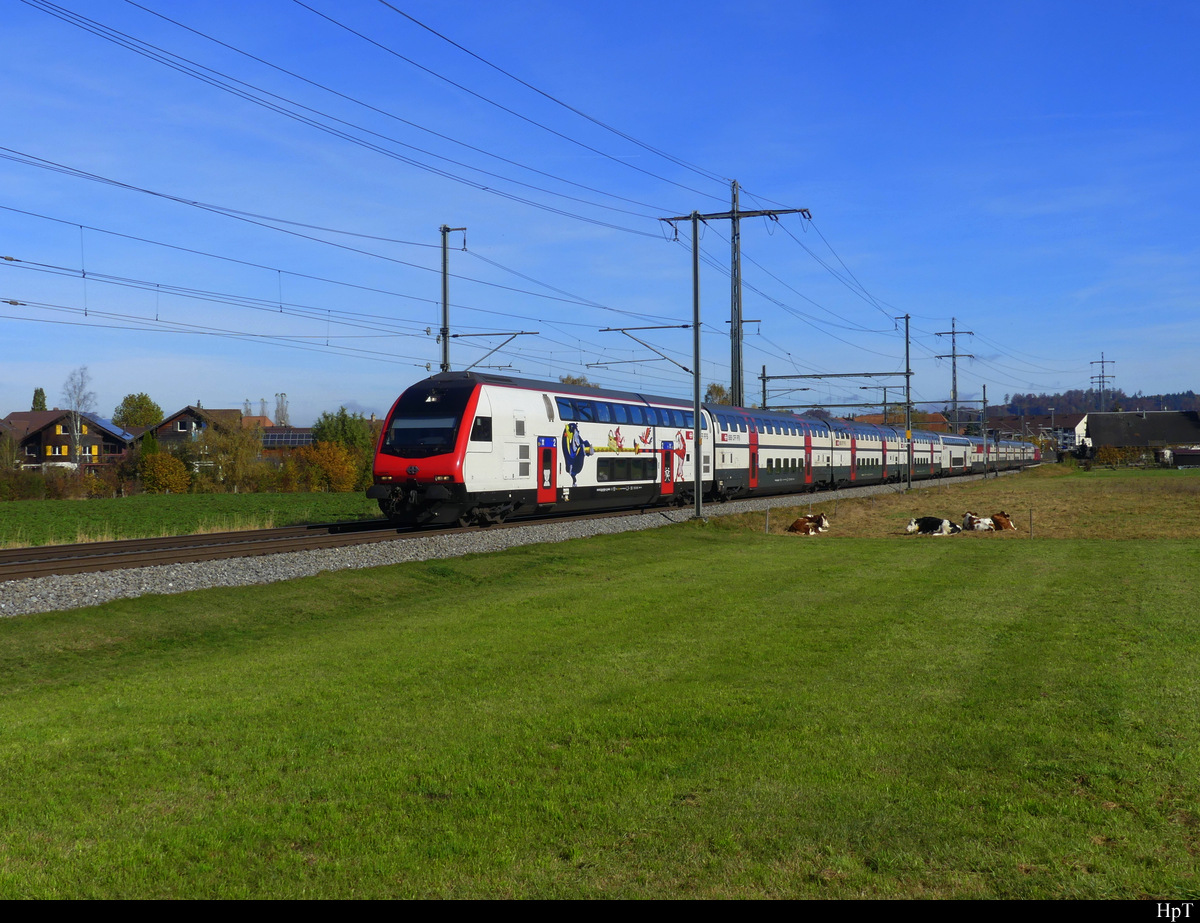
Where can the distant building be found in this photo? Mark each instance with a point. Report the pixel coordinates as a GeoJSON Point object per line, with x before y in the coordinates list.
{"type": "Point", "coordinates": [1157, 431]}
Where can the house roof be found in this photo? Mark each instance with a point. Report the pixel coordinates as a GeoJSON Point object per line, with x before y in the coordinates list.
{"type": "Point", "coordinates": [110, 426]}
{"type": "Point", "coordinates": [223, 419]}
{"type": "Point", "coordinates": [1147, 428]}
{"type": "Point", "coordinates": [26, 423]}
{"type": "Point", "coordinates": [280, 437]}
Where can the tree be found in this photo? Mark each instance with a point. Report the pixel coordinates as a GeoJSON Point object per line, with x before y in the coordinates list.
{"type": "Point", "coordinates": [717, 394]}
{"type": "Point", "coordinates": [232, 454]}
{"type": "Point", "coordinates": [354, 434]}
{"type": "Point", "coordinates": [329, 466]}
{"type": "Point", "coordinates": [80, 399]}
{"type": "Point", "coordinates": [39, 399]}
{"type": "Point", "coordinates": [164, 474]}
{"type": "Point", "coordinates": [137, 410]}
{"type": "Point", "coordinates": [347, 429]}
{"type": "Point", "coordinates": [577, 380]}
{"type": "Point", "coordinates": [9, 452]}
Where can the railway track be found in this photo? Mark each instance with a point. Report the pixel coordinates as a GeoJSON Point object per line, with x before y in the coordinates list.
{"type": "Point", "coordinates": [91, 557]}
{"type": "Point", "coordinates": [57, 560]}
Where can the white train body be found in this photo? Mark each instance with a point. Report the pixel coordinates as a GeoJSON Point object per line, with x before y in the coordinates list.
{"type": "Point", "coordinates": [466, 447]}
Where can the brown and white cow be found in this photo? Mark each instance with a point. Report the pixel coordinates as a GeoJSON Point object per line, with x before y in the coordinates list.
{"type": "Point", "coordinates": [810, 525]}
{"type": "Point", "coordinates": [1003, 521]}
{"type": "Point", "coordinates": [973, 522]}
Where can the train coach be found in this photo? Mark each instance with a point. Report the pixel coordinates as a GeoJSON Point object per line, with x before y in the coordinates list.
{"type": "Point", "coordinates": [469, 447]}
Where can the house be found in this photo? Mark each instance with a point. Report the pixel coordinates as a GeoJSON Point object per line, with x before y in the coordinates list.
{"type": "Point", "coordinates": [1153, 430]}
{"type": "Point", "coordinates": [188, 424]}
{"type": "Point", "coordinates": [46, 439]}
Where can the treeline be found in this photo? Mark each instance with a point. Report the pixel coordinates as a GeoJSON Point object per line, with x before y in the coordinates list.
{"type": "Point", "coordinates": [1078, 401]}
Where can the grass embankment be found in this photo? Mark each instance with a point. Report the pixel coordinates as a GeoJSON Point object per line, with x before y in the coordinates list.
{"type": "Point", "coordinates": [1063, 503]}
{"type": "Point", "coordinates": [684, 712]}
{"type": "Point", "coordinates": [46, 522]}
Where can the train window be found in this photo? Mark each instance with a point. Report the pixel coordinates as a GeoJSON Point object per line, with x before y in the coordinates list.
{"type": "Point", "coordinates": [604, 413]}
{"type": "Point", "coordinates": [585, 411]}
{"type": "Point", "coordinates": [637, 416]}
{"type": "Point", "coordinates": [689, 420]}
{"type": "Point", "coordinates": [482, 430]}
{"type": "Point", "coordinates": [621, 413]}
{"type": "Point", "coordinates": [519, 426]}
{"type": "Point", "coordinates": [626, 469]}
{"type": "Point", "coordinates": [565, 411]}
{"type": "Point", "coordinates": [703, 421]}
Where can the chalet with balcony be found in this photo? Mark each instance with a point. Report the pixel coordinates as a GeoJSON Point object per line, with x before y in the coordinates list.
{"type": "Point", "coordinates": [46, 439]}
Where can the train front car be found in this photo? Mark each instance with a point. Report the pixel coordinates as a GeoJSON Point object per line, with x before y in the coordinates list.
{"type": "Point", "coordinates": [418, 462]}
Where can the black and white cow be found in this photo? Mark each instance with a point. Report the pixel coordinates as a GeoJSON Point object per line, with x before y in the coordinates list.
{"type": "Point", "coordinates": [933, 525]}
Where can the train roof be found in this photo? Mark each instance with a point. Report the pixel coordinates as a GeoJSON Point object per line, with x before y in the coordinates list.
{"type": "Point", "coordinates": [597, 393]}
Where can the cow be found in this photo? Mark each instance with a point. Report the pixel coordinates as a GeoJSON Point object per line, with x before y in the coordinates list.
{"type": "Point", "coordinates": [1003, 521]}
{"type": "Point", "coordinates": [975, 523]}
{"type": "Point", "coordinates": [933, 525]}
{"type": "Point", "coordinates": [810, 525]}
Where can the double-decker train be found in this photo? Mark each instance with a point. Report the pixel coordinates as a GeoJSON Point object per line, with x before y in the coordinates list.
{"type": "Point", "coordinates": [475, 448]}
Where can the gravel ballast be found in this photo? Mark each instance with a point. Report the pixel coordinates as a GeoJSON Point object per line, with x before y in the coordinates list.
{"type": "Point", "coordinates": [46, 594]}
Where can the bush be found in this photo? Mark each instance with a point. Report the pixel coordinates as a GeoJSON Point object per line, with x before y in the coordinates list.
{"type": "Point", "coordinates": [22, 485]}
{"type": "Point", "coordinates": [164, 474]}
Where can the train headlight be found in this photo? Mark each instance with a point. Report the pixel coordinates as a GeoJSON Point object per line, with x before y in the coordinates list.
{"type": "Point", "coordinates": [444, 477]}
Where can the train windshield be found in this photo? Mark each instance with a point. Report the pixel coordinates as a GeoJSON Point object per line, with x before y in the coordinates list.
{"type": "Point", "coordinates": [425, 421]}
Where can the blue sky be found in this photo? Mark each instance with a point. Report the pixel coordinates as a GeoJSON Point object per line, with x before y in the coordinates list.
{"type": "Point", "coordinates": [1027, 169]}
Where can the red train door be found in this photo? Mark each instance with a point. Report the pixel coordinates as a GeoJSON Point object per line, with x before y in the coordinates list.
{"type": "Point", "coordinates": [753, 455]}
{"type": "Point", "coordinates": [668, 468]}
{"type": "Point", "coordinates": [808, 474]}
{"type": "Point", "coordinates": [547, 491]}
{"type": "Point", "coordinates": [883, 455]}
{"type": "Point", "coordinates": [853, 458]}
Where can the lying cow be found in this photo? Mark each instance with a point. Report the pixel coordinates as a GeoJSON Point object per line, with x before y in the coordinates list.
{"type": "Point", "coordinates": [933, 525]}
{"type": "Point", "coordinates": [1003, 521]}
{"type": "Point", "coordinates": [810, 525]}
{"type": "Point", "coordinates": [976, 523]}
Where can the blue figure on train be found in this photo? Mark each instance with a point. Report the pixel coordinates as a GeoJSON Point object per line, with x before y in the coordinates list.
{"type": "Point", "coordinates": [575, 449]}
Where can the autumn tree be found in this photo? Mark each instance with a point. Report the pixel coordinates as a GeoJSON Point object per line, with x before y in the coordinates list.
{"type": "Point", "coordinates": [329, 466]}
{"type": "Point", "coordinates": [717, 394]}
{"type": "Point", "coordinates": [232, 454]}
{"type": "Point", "coordinates": [355, 434]}
{"type": "Point", "coordinates": [351, 430]}
{"type": "Point", "coordinates": [39, 399]}
{"type": "Point", "coordinates": [164, 474]}
{"type": "Point", "coordinates": [577, 380]}
{"type": "Point", "coordinates": [137, 410]}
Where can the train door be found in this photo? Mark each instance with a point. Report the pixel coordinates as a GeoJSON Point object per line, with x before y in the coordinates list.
{"type": "Point", "coordinates": [808, 472]}
{"type": "Point", "coordinates": [667, 449]}
{"type": "Point", "coordinates": [883, 456]}
{"type": "Point", "coordinates": [853, 458]}
{"type": "Point", "coordinates": [547, 491]}
{"type": "Point", "coordinates": [753, 455]}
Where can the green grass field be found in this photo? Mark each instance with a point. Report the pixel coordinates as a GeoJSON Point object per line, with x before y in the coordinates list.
{"type": "Point", "coordinates": [689, 712]}
{"type": "Point", "coordinates": [45, 522]}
